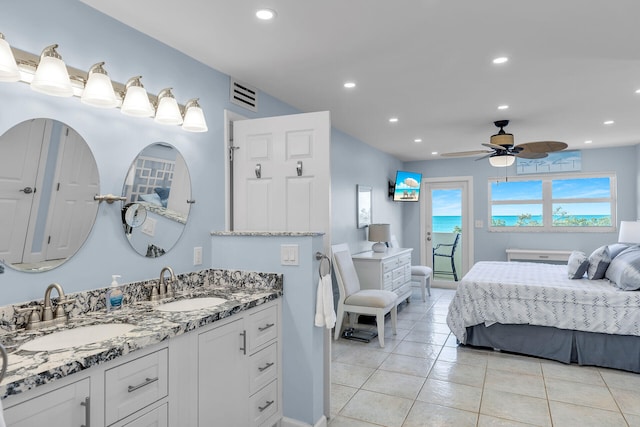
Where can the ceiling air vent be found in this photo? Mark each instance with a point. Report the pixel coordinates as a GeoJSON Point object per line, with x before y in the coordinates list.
{"type": "Point", "coordinates": [243, 95]}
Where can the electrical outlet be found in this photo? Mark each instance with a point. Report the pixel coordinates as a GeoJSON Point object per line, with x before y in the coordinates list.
{"type": "Point", "coordinates": [197, 255]}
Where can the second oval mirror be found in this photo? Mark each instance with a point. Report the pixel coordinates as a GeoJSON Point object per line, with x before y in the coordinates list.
{"type": "Point", "coordinates": [159, 186]}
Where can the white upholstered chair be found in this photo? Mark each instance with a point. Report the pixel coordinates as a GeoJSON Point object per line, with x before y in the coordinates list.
{"type": "Point", "coordinates": [419, 273]}
{"type": "Point", "coordinates": [356, 301]}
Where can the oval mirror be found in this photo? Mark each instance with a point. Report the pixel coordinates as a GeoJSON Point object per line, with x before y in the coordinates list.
{"type": "Point", "coordinates": [48, 180]}
{"type": "Point", "coordinates": [157, 192]}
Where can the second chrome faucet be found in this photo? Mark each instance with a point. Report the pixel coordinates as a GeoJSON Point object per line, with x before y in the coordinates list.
{"type": "Point", "coordinates": [163, 289]}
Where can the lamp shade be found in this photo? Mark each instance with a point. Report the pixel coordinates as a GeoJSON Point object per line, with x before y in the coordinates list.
{"type": "Point", "coordinates": [51, 75]}
{"type": "Point", "coordinates": [502, 161]}
{"type": "Point", "coordinates": [194, 117]}
{"type": "Point", "coordinates": [8, 67]}
{"type": "Point", "coordinates": [168, 111]}
{"type": "Point", "coordinates": [629, 232]}
{"type": "Point", "coordinates": [379, 233]}
{"type": "Point", "coordinates": [136, 100]}
{"type": "Point", "coordinates": [98, 91]}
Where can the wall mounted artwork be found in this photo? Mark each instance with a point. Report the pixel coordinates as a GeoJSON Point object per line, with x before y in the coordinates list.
{"type": "Point", "coordinates": [559, 161]}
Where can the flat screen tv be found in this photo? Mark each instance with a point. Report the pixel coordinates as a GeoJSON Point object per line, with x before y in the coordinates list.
{"type": "Point", "coordinates": [407, 186]}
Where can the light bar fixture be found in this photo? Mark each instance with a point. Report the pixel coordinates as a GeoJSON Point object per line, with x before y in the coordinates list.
{"type": "Point", "coordinates": [48, 74]}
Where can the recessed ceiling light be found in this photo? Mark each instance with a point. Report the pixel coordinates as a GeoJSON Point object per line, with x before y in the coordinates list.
{"type": "Point", "coordinates": [588, 141]}
{"type": "Point", "coordinates": [349, 85]}
{"type": "Point", "coordinates": [434, 153]}
{"type": "Point", "coordinates": [393, 120]}
{"type": "Point", "coordinates": [417, 140]}
{"type": "Point", "coordinates": [637, 90]}
{"type": "Point", "coordinates": [500, 60]}
{"type": "Point", "coordinates": [266, 14]}
{"type": "Point", "coordinates": [609, 122]}
{"type": "Point", "coordinates": [503, 107]}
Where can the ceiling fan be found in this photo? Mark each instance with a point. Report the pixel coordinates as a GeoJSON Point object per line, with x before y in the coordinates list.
{"type": "Point", "coordinates": [503, 152]}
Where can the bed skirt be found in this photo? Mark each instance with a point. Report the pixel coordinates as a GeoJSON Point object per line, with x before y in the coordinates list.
{"type": "Point", "coordinates": [563, 345]}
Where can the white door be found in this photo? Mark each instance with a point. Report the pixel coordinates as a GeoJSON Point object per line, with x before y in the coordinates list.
{"type": "Point", "coordinates": [19, 190]}
{"type": "Point", "coordinates": [72, 205]}
{"type": "Point", "coordinates": [447, 212]}
{"type": "Point", "coordinates": [281, 173]}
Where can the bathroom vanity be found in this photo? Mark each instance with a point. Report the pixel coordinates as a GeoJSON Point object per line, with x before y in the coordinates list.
{"type": "Point", "coordinates": [180, 365]}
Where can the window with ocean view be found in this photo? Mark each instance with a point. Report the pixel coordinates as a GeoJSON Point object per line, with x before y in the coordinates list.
{"type": "Point", "coordinates": [553, 203]}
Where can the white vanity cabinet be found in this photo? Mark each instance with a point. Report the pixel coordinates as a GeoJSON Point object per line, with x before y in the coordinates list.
{"type": "Point", "coordinates": [64, 406]}
{"type": "Point", "coordinates": [128, 391]}
{"type": "Point", "coordinates": [390, 270]}
{"type": "Point", "coordinates": [230, 372]}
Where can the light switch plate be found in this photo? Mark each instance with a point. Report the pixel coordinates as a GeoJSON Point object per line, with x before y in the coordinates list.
{"type": "Point", "coordinates": [289, 255]}
{"type": "Point", "coordinates": [479, 223]}
{"type": "Point", "coordinates": [197, 255]}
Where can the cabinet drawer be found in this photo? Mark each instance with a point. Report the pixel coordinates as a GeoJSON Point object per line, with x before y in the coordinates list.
{"type": "Point", "coordinates": [389, 265]}
{"type": "Point", "coordinates": [157, 417]}
{"type": "Point", "coordinates": [264, 404]}
{"type": "Point", "coordinates": [263, 368]}
{"type": "Point", "coordinates": [134, 385]}
{"type": "Point", "coordinates": [398, 273]}
{"type": "Point", "coordinates": [398, 282]}
{"type": "Point", "coordinates": [407, 271]}
{"type": "Point", "coordinates": [262, 327]}
{"type": "Point", "coordinates": [405, 259]}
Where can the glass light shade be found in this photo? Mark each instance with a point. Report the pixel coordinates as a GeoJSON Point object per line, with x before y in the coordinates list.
{"type": "Point", "coordinates": [502, 161]}
{"type": "Point", "coordinates": [8, 68]}
{"type": "Point", "coordinates": [629, 232]}
{"type": "Point", "coordinates": [98, 91]}
{"type": "Point", "coordinates": [168, 112]}
{"type": "Point", "coordinates": [52, 77]}
{"type": "Point", "coordinates": [194, 120]}
{"type": "Point", "coordinates": [136, 102]}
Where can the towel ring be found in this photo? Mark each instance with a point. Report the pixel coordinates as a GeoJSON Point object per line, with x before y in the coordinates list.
{"type": "Point", "coordinates": [322, 257]}
{"type": "Point", "coordinates": [5, 362]}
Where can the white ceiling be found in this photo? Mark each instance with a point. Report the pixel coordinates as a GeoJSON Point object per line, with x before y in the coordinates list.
{"type": "Point", "coordinates": [573, 64]}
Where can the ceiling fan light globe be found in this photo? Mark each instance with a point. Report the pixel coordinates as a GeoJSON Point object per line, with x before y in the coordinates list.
{"type": "Point", "coordinates": [501, 161]}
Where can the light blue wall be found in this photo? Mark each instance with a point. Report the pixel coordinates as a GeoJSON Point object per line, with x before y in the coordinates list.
{"type": "Point", "coordinates": [491, 245]}
{"type": "Point", "coordinates": [353, 163]}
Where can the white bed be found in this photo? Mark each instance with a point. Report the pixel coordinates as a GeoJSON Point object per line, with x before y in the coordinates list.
{"type": "Point", "coordinates": [534, 308]}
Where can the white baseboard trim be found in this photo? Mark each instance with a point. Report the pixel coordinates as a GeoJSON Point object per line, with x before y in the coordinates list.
{"type": "Point", "coordinates": [290, 422]}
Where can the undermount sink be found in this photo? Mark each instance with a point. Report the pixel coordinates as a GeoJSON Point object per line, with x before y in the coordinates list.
{"type": "Point", "coordinates": [83, 335]}
{"type": "Point", "coordinates": [191, 304]}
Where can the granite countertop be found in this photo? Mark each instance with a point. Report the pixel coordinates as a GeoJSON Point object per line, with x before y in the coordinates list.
{"type": "Point", "coordinates": [29, 369]}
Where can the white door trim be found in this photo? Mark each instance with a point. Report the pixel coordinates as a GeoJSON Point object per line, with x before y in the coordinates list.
{"type": "Point", "coordinates": [467, 207]}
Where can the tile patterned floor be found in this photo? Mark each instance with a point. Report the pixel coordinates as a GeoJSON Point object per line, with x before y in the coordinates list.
{"type": "Point", "coordinates": [422, 378]}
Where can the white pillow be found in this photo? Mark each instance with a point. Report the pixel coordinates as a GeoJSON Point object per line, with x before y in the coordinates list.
{"type": "Point", "coordinates": [577, 265]}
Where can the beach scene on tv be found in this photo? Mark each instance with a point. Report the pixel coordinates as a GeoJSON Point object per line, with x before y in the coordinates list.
{"type": "Point", "coordinates": [407, 186]}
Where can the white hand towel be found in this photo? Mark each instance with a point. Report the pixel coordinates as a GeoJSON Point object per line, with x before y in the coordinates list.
{"type": "Point", "coordinates": [325, 314]}
{"type": "Point", "coordinates": [2, 424]}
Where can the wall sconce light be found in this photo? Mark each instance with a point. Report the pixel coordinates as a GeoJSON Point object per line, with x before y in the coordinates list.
{"type": "Point", "coordinates": [168, 112]}
{"type": "Point", "coordinates": [48, 74]}
{"type": "Point", "coordinates": [51, 75]}
{"type": "Point", "coordinates": [98, 91]}
{"type": "Point", "coordinates": [194, 120]}
{"type": "Point", "coordinates": [8, 68]}
{"type": "Point", "coordinates": [136, 100]}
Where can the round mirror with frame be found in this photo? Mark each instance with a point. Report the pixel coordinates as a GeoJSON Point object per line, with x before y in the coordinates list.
{"type": "Point", "coordinates": [47, 186]}
{"type": "Point", "coordinates": [158, 200]}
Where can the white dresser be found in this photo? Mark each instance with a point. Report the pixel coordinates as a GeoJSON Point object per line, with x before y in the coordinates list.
{"type": "Point", "coordinates": [390, 270]}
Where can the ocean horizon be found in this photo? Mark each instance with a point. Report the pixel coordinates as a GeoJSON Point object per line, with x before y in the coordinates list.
{"type": "Point", "coordinates": [447, 224]}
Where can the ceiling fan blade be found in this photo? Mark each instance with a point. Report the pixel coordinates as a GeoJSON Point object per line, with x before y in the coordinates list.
{"type": "Point", "coordinates": [495, 146]}
{"type": "Point", "coordinates": [466, 153]}
{"type": "Point", "coordinates": [486, 156]}
{"type": "Point", "coordinates": [542, 146]}
{"type": "Point", "coordinates": [530, 155]}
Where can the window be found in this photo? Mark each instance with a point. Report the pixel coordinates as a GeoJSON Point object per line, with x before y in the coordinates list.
{"type": "Point", "coordinates": [553, 203]}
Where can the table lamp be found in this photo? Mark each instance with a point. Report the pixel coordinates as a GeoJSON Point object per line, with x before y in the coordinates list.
{"type": "Point", "coordinates": [379, 233]}
{"type": "Point", "coordinates": [629, 232]}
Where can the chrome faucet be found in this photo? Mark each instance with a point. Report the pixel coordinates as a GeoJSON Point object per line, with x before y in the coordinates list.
{"type": "Point", "coordinates": [166, 289]}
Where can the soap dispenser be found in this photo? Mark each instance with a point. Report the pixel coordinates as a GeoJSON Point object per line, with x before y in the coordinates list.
{"type": "Point", "coordinates": [114, 295]}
